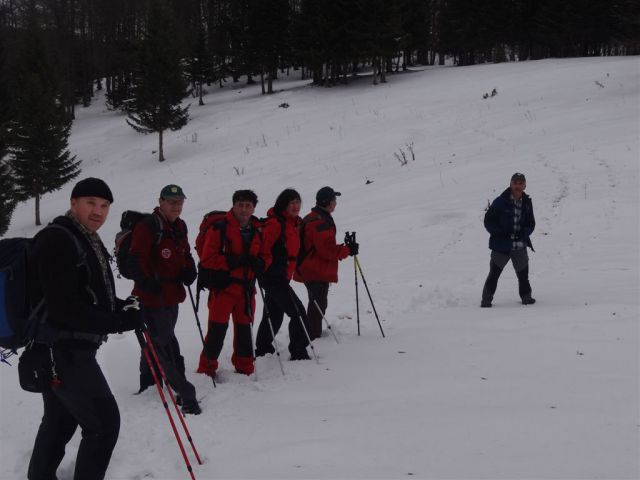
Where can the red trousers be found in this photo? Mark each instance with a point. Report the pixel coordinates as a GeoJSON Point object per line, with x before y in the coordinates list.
{"type": "Point", "coordinates": [233, 301]}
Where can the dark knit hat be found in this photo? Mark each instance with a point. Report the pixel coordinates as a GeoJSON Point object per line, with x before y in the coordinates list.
{"type": "Point", "coordinates": [285, 197]}
{"type": "Point", "coordinates": [92, 187]}
{"type": "Point", "coordinates": [172, 191]}
{"type": "Point", "coordinates": [518, 177]}
{"type": "Point", "coordinates": [325, 195]}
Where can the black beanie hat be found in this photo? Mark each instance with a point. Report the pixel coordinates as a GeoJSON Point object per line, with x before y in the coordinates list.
{"type": "Point", "coordinates": [92, 187]}
{"type": "Point", "coordinates": [284, 198]}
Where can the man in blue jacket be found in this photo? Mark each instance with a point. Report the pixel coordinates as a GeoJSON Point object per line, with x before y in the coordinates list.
{"type": "Point", "coordinates": [510, 222]}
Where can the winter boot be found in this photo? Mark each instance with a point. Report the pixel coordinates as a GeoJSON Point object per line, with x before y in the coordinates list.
{"type": "Point", "coordinates": [261, 350]}
{"type": "Point", "coordinates": [191, 408]}
{"type": "Point", "coordinates": [300, 355]}
{"type": "Point", "coordinates": [528, 300]}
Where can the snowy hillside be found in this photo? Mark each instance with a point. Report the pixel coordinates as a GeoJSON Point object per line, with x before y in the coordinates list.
{"type": "Point", "coordinates": [453, 391]}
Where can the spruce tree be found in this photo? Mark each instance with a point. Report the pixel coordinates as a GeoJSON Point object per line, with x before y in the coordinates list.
{"type": "Point", "coordinates": [160, 85]}
{"type": "Point", "coordinates": [39, 131]}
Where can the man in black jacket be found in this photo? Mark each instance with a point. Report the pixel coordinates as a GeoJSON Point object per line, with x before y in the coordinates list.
{"type": "Point", "coordinates": [510, 222]}
{"type": "Point", "coordinates": [81, 308]}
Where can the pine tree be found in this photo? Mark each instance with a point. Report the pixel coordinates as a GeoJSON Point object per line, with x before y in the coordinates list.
{"type": "Point", "coordinates": [38, 133]}
{"type": "Point", "coordinates": [200, 69]}
{"type": "Point", "coordinates": [160, 85]}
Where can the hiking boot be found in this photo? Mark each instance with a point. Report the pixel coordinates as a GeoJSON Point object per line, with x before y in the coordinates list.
{"type": "Point", "coordinates": [485, 304]}
{"type": "Point", "coordinates": [146, 381]}
{"type": "Point", "coordinates": [262, 351]}
{"type": "Point", "coordinates": [528, 300]}
{"type": "Point", "coordinates": [191, 408]}
{"type": "Point", "coordinates": [301, 355]}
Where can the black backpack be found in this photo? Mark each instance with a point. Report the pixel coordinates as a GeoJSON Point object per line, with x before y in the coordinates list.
{"type": "Point", "coordinates": [128, 222]}
{"type": "Point", "coordinates": [18, 317]}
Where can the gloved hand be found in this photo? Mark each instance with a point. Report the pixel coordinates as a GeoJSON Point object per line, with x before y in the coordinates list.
{"type": "Point", "coordinates": [150, 285]}
{"type": "Point", "coordinates": [256, 264]}
{"type": "Point", "coordinates": [188, 275]}
{"type": "Point", "coordinates": [235, 261]}
{"type": "Point", "coordinates": [131, 315]}
{"type": "Point", "coordinates": [353, 248]}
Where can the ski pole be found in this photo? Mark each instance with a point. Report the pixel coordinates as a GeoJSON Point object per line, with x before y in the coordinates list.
{"type": "Point", "coordinates": [355, 273]}
{"type": "Point", "coordinates": [195, 312]}
{"type": "Point", "coordinates": [364, 280]}
{"type": "Point", "coordinates": [304, 327]}
{"type": "Point", "coordinates": [145, 350]}
{"type": "Point", "coordinates": [173, 399]}
{"type": "Point", "coordinates": [273, 334]}
{"type": "Point", "coordinates": [325, 319]}
{"type": "Point", "coordinates": [250, 313]}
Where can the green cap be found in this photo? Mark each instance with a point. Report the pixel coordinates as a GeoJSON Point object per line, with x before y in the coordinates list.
{"type": "Point", "coordinates": [172, 191]}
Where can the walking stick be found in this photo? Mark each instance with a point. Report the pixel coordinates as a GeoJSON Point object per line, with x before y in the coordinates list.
{"type": "Point", "coordinates": [144, 341]}
{"type": "Point", "coordinates": [250, 314]}
{"type": "Point", "coordinates": [304, 327]}
{"type": "Point", "coordinates": [364, 280]}
{"type": "Point", "coordinates": [355, 273]}
{"type": "Point", "coordinates": [325, 319]}
{"type": "Point", "coordinates": [195, 312]}
{"type": "Point", "coordinates": [273, 334]}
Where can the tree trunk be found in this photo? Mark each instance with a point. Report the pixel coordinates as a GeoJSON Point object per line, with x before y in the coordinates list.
{"type": "Point", "coordinates": [160, 148]}
{"type": "Point", "coordinates": [37, 197]}
{"type": "Point", "coordinates": [200, 102]}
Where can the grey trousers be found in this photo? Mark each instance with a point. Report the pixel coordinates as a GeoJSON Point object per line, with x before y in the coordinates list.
{"type": "Point", "coordinates": [162, 322]}
{"type": "Point", "coordinates": [520, 261]}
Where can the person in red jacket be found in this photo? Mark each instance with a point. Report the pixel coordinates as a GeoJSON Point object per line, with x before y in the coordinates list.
{"type": "Point", "coordinates": [234, 252]}
{"type": "Point", "coordinates": [282, 239]}
{"type": "Point", "coordinates": [318, 260]}
{"type": "Point", "coordinates": [161, 264]}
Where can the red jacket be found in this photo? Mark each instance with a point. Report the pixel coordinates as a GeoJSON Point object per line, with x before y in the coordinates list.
{"type": "Point", "coordinates": [164, 261]}
{"type": "Point", "coordinates": [213, 256]}
{"type": "Point", "coordinates": [283, 259]}
{"type": "Point", "coordinates": [320, 263]}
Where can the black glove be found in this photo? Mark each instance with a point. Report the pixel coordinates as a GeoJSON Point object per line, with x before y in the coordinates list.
{"type": "Point", "coordinates": [150, 285]}
{"type": "Point", "coordinates": [353, 248]}
{"type": "Point", "coordinates": [188, 275]}
{"type": "Point", "coordinates": [131, 315]}
{"type": "Point", "coordinates": [256, 264]}
{"type": "Point", "coordinates": [213, 279]}
{"type": "Point", "coordinates": [235, 261]}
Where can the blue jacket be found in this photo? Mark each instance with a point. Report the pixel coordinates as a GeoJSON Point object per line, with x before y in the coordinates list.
{"type": "Point", "coordinates": [499, 222]}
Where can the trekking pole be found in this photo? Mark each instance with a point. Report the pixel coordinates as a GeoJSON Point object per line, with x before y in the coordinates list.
{"type": "Point", "coordinates": [145, 350]}
{"type": "Point", "coordinates": [325, 319]}
{"type": "Point", "coordinates": [364, 280]}
{"type": "Point", "coordinates": [304, 327]}
{"type": "Point", "coordinates": [273, 334]}
{"type": "Point", "coordinates": [250, 314]}
{"type": "Point", "coordinates": [195, 312]}
{"type": "Point", "coordinates": [173, 399]}
{"type": "Point", "coordinates": [355, 273]}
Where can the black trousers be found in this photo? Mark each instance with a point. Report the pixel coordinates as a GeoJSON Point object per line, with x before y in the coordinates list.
{"type": "Point", "coordinates": [318, 293]}
{"type": "Point", "coordinates": [83, 398]}
{"type": "Point", "coordinates": [162, 324]}
{"type": "Point", "coordinates": [280, 299]}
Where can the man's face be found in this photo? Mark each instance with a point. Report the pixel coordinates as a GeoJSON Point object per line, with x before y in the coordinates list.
{"type": "Point", "coordinates": [293, 208]}
{"type": "Point", "coordinates": [517, 187]}
{"type": "Point", "coordinates": [242, 210]}
{"type": "Point", "coordinates": [332, 206]}
{"type": "Point", "coordinates": [91, 212]}
{"type": "Point", "coordinates": [171, 208]}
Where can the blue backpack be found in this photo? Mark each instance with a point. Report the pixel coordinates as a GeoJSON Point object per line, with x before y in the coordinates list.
{"type": "Point", "coordinates": [18, 317]}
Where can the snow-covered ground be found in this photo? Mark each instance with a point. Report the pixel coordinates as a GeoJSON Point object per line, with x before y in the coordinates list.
{"type": "Point", "coordinates": [453, 391]}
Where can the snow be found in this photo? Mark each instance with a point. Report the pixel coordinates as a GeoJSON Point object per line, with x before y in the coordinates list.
{"type": "Point", "coordinates": [548, 391]}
